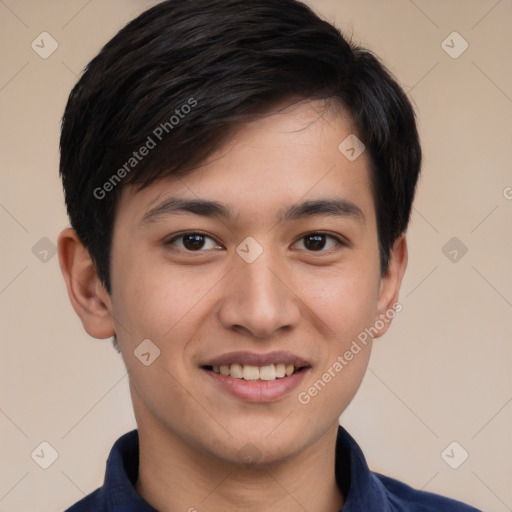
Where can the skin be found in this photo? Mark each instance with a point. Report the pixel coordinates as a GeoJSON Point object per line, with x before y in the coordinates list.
{"type": "Point", "coordinates": [195, 305]}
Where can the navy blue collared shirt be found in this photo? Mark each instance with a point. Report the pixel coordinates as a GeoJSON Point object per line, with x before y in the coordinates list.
{"type": "Point", "coordinates": [362, 489]}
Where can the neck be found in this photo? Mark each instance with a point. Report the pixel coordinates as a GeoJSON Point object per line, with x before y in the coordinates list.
{"type": "Point", "coordinates": [175, 476]}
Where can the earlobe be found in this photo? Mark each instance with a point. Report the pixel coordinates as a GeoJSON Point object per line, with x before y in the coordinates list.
{"type": "Point", "coordinates": [87, 294]}
{"type": "Point", "coordinates": [390, 283]}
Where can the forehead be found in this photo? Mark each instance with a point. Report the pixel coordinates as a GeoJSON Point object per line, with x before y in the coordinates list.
{"type": "Point", "coordinates": [295, 152]}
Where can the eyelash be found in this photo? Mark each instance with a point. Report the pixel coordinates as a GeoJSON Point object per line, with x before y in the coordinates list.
{"type": "Point", "coordinates": [340, 242]}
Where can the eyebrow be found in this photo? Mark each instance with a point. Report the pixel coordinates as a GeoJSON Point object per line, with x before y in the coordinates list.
{"type": "Point", "coordinates": [338, 207]}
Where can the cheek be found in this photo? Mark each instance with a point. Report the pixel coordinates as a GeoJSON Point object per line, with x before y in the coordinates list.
{"type": "Point", "coordinates": [152, 298]}
{"type": "Point", "coordinates": [162, 306]}
{"type": "Point", "coordinates": [345, 298]}
{"type": "Point", "coordinates": [159, 390]}
{"type": "Point", "coordinates": [335, 381]}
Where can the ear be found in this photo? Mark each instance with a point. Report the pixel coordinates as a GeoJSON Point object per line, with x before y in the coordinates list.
{"type": "Point", "coordinates": [389, 287]}
{"type": "Point", "coordinates": [87, 294]}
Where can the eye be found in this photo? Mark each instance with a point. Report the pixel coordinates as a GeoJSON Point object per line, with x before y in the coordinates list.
{"type": "Point", "coordinates": [196, 241]}
{"type": "Point", "coordinates": [321, 242]}
{"type": "Point", "coordinates": [193, 241]}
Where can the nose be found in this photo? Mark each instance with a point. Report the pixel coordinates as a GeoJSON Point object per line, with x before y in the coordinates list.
{"type": "Point", "coordinates": [259, 299]}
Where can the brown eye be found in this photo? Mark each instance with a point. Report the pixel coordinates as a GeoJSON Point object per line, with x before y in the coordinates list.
{"type": "Point", "coordinates": [193, 242]}
{"type": "Point", "coordinates": [321, 242]}
{"type": "Point", "coordinates": [314, 242]}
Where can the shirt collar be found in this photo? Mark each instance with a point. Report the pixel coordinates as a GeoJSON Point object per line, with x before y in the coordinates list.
{"type": "Point", "coordinates": [118, 491]}
{"type": "Point", "coordinates": [361, 489]}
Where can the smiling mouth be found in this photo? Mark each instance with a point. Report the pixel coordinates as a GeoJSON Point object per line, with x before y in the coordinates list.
{"type": "Point", "coordinates": [256, 373]}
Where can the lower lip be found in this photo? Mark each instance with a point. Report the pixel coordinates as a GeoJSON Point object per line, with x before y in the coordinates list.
{"type": "Point", "coordinates": [257, 390]}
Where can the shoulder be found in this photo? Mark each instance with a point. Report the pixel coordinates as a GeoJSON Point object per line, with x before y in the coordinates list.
{"type": "Point", "coordinates": [87, 504]}
{"type": "Point", "coordinates": [405, 498]}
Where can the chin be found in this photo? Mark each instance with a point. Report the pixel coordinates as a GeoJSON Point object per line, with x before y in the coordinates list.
{"type": "Point", "coordinates": [260, 449]}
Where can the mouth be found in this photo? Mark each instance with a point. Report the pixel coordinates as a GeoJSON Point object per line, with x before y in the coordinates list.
{"type": "Point", "coordinates": [253, 373]}
{"type": "Point", "coordinates": [256, 377]}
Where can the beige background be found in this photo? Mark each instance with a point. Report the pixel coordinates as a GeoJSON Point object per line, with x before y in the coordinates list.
{"type": "Point", "coordinates": [442, 372]}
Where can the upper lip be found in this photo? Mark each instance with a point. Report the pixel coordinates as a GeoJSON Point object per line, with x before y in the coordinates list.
{"type": "Point", "coordinates": [255, 359]}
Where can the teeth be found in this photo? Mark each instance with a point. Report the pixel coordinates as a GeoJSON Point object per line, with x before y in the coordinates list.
{"type": "Point", "coordinates": [280, 370]}
{"type": "Point", "coordinates": [250, 372]}
{"type": "Point", "coordinates": [236, 371]}
{"type": "Point", "coordinates": [268, 372]}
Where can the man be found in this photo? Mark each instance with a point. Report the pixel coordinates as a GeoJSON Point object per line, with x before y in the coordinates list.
{"type": "Point", "coordinates": [239, 181]}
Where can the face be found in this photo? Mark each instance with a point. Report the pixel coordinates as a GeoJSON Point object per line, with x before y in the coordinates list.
{"type": "Point", "coordinates": [279, 267]}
